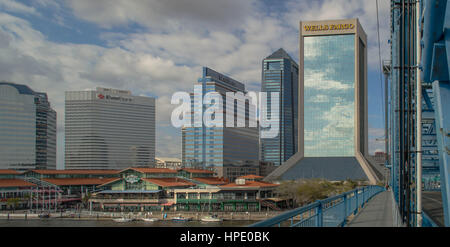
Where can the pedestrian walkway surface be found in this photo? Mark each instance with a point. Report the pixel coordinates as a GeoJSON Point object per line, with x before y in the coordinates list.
{"type": "Point", "coordinates": [432, 205]}
{"type": "Point", "coordinates": [377, 212]}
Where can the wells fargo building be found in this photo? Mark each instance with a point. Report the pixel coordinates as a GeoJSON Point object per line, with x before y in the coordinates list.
{"type": "Point", "coordinates": [332, 104]}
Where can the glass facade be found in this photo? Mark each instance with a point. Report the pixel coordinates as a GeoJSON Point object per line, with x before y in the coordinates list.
{"type": "Point", "coordinates": [45, 133]}
{"type": "Point", "coordinates": [219, 147]}
{"type": "Point", "coordinates": [27, 129]}
{"type": "Point", "coordinates": [329, 96]}
{"type": "Point", "coordinates": [280, 74]}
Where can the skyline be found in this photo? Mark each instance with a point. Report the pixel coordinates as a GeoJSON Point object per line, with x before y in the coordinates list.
{"type": "Point", "coordinates": [56, 47]}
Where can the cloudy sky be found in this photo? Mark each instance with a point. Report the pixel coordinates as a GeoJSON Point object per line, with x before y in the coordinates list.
{"type": "Point", "coordinates": [158, 47]}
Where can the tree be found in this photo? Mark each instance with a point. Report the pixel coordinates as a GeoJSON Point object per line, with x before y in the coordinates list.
{"type": "Point", "coordinates": [307, 191]}
{"type": "Point", "coordinates": [311, 190]}
{"type": "Point", "coordinates": [85, 199]}
{"type": "Point", "coordinates": [288, 190]}
{"type": "Point", "coordinates": [14, 202]}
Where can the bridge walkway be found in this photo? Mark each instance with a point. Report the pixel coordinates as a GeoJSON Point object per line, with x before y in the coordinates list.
{"type": "Point", "coordinates": [376, 213]}
{"type": "Point", "coordinates": [432, 205]}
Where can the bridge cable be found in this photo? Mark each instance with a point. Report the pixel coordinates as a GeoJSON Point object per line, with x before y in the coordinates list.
{"type": "Point", "coordinates": [380, 68]}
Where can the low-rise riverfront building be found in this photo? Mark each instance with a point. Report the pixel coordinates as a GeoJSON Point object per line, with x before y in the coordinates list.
{"type": "Point", "coordinates": [247, 193]}
{"type": "Point", "coordinates": [135, 189]}
{"type": "Point", "coordinates": [13, 191]}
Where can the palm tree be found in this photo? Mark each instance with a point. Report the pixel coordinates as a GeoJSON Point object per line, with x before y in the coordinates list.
{"type": "Point", "coordinates": [86, 198]}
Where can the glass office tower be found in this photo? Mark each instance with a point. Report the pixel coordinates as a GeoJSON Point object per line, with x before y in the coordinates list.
{"type": "Point", "coordinates": [230, 151]}
{"type": "Point", "coordinates": [329, 97]}
{"type": "Point", "coordinates": [280, 74]}
{"type": "Point", "coordinates": [27, 129]}
{"type": "Point", "coordinates": [332, 104]}
{"type": "Point", "coordinates": [45, 133]}
{"type": "Point", "coordinates": [109, 129]}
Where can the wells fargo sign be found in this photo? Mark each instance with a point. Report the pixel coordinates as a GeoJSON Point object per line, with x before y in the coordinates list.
{"type": "Point", "coordinates": [329, 27]}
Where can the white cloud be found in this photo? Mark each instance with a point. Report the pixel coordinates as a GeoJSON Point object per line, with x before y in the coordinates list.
{"type": "Point", "coordinates": [159, 15]}
{"type": "Point", "coordinates": [166, 55]}
{"type": "Point", "coordinates": [376, 140]}
{"type": "Point", "coordinates": [319, 81]}
{"type": "Point", "coordinates": [16, 7]}
{"type": "Point", "coordinates": [27, 57]}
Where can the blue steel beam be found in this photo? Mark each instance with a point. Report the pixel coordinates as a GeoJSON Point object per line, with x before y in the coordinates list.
{"type": "Point", "coordinates": [433, 25]}
{"type": "Point", "coordinates": [435, 61]}
{"type": "Point", "coordinates": [442, 96]}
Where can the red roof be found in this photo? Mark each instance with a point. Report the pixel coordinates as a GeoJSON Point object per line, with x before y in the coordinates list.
{"type": "Point", "coordinates": [249, 184]}
{"type": "Point", "coordinates": [196, 170]}
{"type": "Point", "coordinates": [251, 177]}
{"type": "Point", "coordinates": [78, 181]}
{"type": "Point", "coordinates": [152, 170]}
{"type": "Point", "coordinates": [111, 181]}
{"type": "Point", "coordinates": [8, 171]}
{"type": "Point", "coordinates": [169, 182]}
{"type": "Point", "coordinates": [84, 171]}
{"type": "Point", "coordinates": [212, 180]}
{"type": "Point", "coordinates": [5, 183]}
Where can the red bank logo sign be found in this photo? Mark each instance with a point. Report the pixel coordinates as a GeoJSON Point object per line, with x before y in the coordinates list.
{"type": "Point", "coordinates": [118, 98]}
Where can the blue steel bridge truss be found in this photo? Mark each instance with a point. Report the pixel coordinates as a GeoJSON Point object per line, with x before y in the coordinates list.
{"type": "Point", "coordinates": [434, 31]}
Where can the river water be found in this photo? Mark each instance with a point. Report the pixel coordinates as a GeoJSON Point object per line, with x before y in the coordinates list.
{"type": "Point", "coordinates": [111, 223]}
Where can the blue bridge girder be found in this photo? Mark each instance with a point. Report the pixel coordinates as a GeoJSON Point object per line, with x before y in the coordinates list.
{"type": "Point", "coordinates": [433, 37]}
{"type": "Point", "coordinates": [435, 67]}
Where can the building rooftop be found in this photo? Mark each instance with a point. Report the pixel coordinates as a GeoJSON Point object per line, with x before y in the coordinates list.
{"type": "Point", "coordinates": [128, 191]}
{"type": "Point", "coordinates": [249, 184]}
{"type": "Point", "coordinates": [23, 89]}
{"type": "Point", "coordinates": [330, 168]}
{"type": "Point", "coordinates": [212, 180]}
{"type": "Point", "coordinates": [190, 170]}
{"type": "Point", "coordinates": [169, 182]}
{"type": "Point", "coordinates": [108, 182]}
{"type": "Point", "coordinates": [251, 177]}
{"type": "Point", "coordinates": [7, 183]}
{"type": "Point", "coordinates": [151, 170]}
{"type": "Point", "coordinates": [78, 181]}
{"type": "Point", "coordinates": [278, 54]}
{"type": "Point", "coordinates": [90, 171]}
{"type": "Point", "coordinates": [8, 172]}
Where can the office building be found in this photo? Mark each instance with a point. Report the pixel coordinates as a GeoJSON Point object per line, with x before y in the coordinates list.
{"type": "Point", "coordinates": [332, 104]}
{"type": "Point", "coordinates": [168, 162]}
{"type": "Point", "coordinates": [280, 74]}
{"type": "Point", "coordinates": [109, 129]}
{"type": "Point", "coordinates": [230, 151]}
{"type": "Point", "coordinates": [27, 129]}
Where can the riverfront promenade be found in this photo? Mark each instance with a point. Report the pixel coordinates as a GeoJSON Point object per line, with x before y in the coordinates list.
{"type": "Point", "coordinates": [86, 215]}
{"type": "Point", "coordinates": [376, 213]}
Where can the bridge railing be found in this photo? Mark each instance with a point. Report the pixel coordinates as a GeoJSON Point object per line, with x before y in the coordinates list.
{"type": "Point", "coordinates": [427, 221]}
{"type": "Point", "coordinates": [332, 211]}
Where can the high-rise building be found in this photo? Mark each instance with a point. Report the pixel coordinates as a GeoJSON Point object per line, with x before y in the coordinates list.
{"type": "Point", "coordinates": [332, 104]}
{"type": "Point", "coordinates": [109, 129]}
{"type": "Point", "coordinates": [280, 74]}
{"type": "Point", "coordinates": [230, 151]}
{"type": "Point", "coordinates": [27, 129]}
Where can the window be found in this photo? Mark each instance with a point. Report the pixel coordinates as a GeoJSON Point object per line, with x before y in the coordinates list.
{"type": "Point", "coordinates": [273, 66]}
